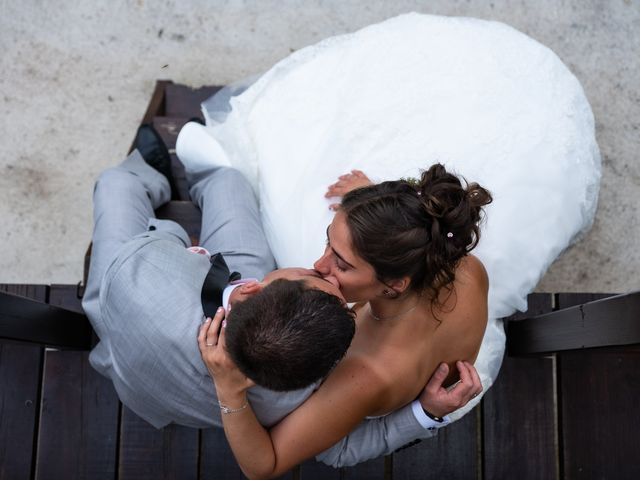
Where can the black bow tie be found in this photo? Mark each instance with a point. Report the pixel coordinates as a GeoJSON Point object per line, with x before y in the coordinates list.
{"type": "Point", "coordinates": [214, 284]}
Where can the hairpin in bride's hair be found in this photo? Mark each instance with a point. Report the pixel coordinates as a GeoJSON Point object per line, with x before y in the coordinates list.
{"type": "Point", "coordinates": [450, 235]}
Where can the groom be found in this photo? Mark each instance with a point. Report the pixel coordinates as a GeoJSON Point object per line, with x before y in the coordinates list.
{"type": "Point", "coordinates": [147, 291]}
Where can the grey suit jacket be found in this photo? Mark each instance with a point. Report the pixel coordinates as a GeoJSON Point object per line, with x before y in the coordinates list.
{"type": "Point", "coordinates": [151, 308]}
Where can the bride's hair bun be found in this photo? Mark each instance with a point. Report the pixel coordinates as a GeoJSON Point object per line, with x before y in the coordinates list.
{"type": "Point", "coordinates": [453, 210]}
{"type": "Point", "coordinates": [416, 228]}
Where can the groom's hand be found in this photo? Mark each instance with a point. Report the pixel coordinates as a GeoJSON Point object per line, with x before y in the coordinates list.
{"type": "Point", "coordinates": [440, 401]}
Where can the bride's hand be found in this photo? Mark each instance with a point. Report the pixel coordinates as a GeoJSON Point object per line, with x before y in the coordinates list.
{"type": "Point", "coordinates": [229, 380]}
{"type": "Point", "coordinates": [346, 183]}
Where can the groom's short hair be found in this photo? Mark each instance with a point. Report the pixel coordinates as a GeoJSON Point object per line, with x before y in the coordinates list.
{"type": "Point", "coordinates": [288, 336]}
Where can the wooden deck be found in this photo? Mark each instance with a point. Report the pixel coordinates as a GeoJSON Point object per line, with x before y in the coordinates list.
{"type": "Point", "coordinates": [568, 415]}
{"type": "Point", "coordinates": [565, 415]}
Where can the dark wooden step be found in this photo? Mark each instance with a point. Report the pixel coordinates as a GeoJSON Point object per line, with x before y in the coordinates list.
{"type": "Point", "coordinates": [28, 320]}
{"type": "Point", "coordinates": [20, 383]}
{"type": "Point", "coordinates": [603, 321]}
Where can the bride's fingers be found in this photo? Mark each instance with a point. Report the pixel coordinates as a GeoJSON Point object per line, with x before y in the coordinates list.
{"type": "Point", "coordinates": [214, 328]}
{"type": "Point", "coordinates": [229, 363]}
{"type": "Point", "coordinates": [221, 338]}
{"type": "Point", "coordinates": [335, 191]}
{"type": "Point", "coordinates": [347, 183]}
{"type": "Point", "coordinates": [202, 334]}
{"type": "Point", "coordinates": [331, 192]}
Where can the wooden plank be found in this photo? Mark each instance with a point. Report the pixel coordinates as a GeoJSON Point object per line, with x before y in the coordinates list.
{"type": "Point", "coordinates": [183, 101]}
{"type": "Point", "coordinates": [27, 320]}
{"type": "Point", "coordinates": [216, 458]}
{"type": "Point", "coordinates": [34, 292]}
{"type": "Point", "coordinates": [66, 296]}
{"type": "Point", "coordinates": [605, 322]}
{"type": "Point", "coordinates": [600, 419]}
{"type": "Point", "coordinates": [372, 469]}
{"type": "Point", "coordinates": [184, 213]}
{"type": "Point", "coordinates": [217, 461]}
{"type": "Point", "coordinates": [600, 416]}
{"type": "Point", "coordinates": [519, 415]}
{"type": "Point", "coordinates": [79, 417]}
{"type": "Point", "coordinates": [452, 454]}
{"type": "Point", "coordinates": [20, 375]}
{"type": "Point", "coordinates": [149, 453]}
{"type": "Point", "coordinates": [79, 420]}
{"type": "Point", "coordinates": [312, 470]}
{"type": "Point", "coordinates": [520, 421]}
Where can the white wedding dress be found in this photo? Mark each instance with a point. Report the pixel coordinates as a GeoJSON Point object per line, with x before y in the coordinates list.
{"type": "Point", "coordinates": [485, 100]}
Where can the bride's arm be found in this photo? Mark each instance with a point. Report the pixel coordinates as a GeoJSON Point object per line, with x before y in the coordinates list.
{"type": "Point", "coordinates": [340, 404]}
{"type": "Point", "coordinates": [349, 394]}
{"type": "Point", "coordinates": [263, 454]}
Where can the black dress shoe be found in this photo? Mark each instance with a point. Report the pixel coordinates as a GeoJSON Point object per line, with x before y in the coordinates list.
{"type": "Point", "coordinates": [150, 145]}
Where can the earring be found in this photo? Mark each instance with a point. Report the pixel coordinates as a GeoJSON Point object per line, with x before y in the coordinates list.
{"type": "Point", "coordinates": [386, 292]}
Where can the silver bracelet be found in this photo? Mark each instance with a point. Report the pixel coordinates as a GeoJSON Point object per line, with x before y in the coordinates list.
{"type": "Point", "coordinates": [226, 410]}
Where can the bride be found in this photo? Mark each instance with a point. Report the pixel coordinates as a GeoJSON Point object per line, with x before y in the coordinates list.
{"type": "Point", "coordinates": [401, 249]}
{"type": "Point", "coordinates": [481, 98]}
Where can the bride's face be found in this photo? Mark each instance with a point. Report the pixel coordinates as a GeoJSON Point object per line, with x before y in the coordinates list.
{"type": "Point", "coordinates": [340, 264]}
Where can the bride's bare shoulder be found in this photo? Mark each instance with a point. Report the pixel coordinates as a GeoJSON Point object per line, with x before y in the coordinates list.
{"type": "Point", "coordinates": [465, 304]}
{"type": "Point", "coordinates": [363, 376]}
{"type": "Point", "coordinates": [464, 315]}
{"type": "Point", "coordinates": [469, 289]}
{"type": "Point", "coordinates": [471, 275]}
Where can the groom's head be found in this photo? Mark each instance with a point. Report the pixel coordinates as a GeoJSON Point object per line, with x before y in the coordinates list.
{"type": "Point", "coordinates": [290, 333]}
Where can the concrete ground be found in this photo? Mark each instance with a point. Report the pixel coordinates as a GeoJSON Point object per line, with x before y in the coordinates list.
{"type": "Point", "coordinates": [76, 78]}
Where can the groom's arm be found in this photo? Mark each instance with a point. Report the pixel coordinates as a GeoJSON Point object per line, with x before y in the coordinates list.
{"type": "Point", "coordinates": [382, 436]}
{"type": "Point", "coordinates": [379, 436]}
